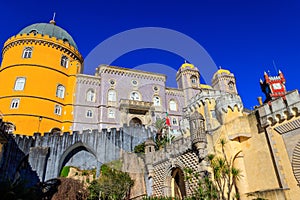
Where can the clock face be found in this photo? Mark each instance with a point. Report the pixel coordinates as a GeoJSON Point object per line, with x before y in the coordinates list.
{"type": "Point", "coordinates": [134, 96]}
{"type": "Point", "coordinates": [277, 86]}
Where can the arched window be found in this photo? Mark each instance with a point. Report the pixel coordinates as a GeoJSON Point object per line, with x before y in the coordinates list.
{"type": "Point", "coordinates": [173, 105]}
{"type": "Point", "coordinates": [194, 80]}
{"type": "Point", "coordinates": [135, 96]}
{"type": "Point", "coordinates": [89, 114]}
{"type": "Point", "coordinates": [27, 52]}
{"type": "Point", "coordinates": [60, 91]}
{"type": "Point", "coordinates": [174, 121]}
{"type": "Point", "coordinates": [90, 95]}
{"type": "Point", "coordinates": [111, 113]}
{"type": "Point", "coordinates": [57, 109]}
{"type": "Point", "coordinates": [156, 101]}
{"type": "Point", "coordinates": [14, 103]}
{"type": "Point", "coordinates": [20, 83]}
{"type": "Point", "coordinates": [64, 61]}
{"type": "Point", "coordinates": [231, 85]}
{"type": "Point", "coordinates": [112, 95]}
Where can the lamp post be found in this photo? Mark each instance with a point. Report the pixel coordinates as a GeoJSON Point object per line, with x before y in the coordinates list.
{"type": "Point", "coordinates": [40, 120]}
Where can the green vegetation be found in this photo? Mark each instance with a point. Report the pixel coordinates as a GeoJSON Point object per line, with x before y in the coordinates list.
{"type": "Point", "coordinates": [220, 187]}
{"type": "Point", "coordinates": [112, 184]}
{"type": "Point", "coordinates": [163, 141]}
{"type": "Point", "coordinates": [140, 148]}
{"type": "Point", "coordinates": [65, 171]}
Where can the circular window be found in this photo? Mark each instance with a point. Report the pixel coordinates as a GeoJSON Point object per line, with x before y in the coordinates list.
{"type": "Point", "coordinates": [155, 88]}
{"type": "Point", "coordinates": [112, 82]}
{"type": "Point", "coordinates": [134, 82]}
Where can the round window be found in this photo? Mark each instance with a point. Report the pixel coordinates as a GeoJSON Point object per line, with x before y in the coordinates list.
{"type": "Point", "coordinates": [155, 88]}
{"type": "Point", "coordinates": [112, 82]}
{"type": "Point", "coordinates": [134, 82]}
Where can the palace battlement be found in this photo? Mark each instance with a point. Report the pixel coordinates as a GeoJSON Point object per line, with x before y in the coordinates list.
{"type": "Point", "coordinates": [48, 153]}
{"type": "Point", "coordinates": [176, 148]}
{"type": "Point", "coordinates": [36, 38]}
{"type": "Point", "coordinates": [224, 100]}
{"type": "Point", "coordinates": [116, 135]}
{"type": "Point", "coordinates": [106, 69]}
{"type": "Point", "coordinates": [279, 110]}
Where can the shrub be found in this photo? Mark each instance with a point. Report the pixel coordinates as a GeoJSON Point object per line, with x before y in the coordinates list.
{"type": "Point", "coordinates": [65, 171]}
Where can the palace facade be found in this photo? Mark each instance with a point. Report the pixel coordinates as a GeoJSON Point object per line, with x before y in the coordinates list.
{"type": "Point", "coordinates": [70, 118]}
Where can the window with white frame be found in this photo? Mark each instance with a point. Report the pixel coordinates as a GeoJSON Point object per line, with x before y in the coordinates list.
{"type": "Point", "coordinates": [64, 61]}
{"type": "Point", "coordinates": [174, 121]}
{"type": "Point", "coordinates": [20, 83]}
{"type": "Point", "coordinates": [112, 95]}
{"type": "Point", "coordinates": [156, 101]}
{"type": "Point", "coordinates": [27, 52]}
{"type": "Point", "coordinates": [111, 113]}
{"type": "Point", "coordinates": [173, 105]}
{"type": "Point", "coordinates": [60, 91]}
{"type": "Point", "coordinates": [57, 109]}
{"type": "Point", "coordinates": [89, 114]}
{"type": "Point", "coordinates": [90, 95]}
{"type": "Point", "coordinates": [14, 103]}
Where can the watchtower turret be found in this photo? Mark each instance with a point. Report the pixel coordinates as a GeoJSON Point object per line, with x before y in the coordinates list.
{"type": "Point", "coordinates": [273, 86]}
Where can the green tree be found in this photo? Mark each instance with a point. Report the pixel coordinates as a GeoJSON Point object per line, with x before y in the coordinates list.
{"type": "Point", "coordinates": [218, 186]}
{"type": "Point", "coordinates": [159, 125]}
{"type": "Point", "coordinates": [140, 148]}
{"type": "Point", "coordinates": [112, 185]}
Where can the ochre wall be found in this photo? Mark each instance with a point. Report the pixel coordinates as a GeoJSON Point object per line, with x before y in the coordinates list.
{"type": "Point", "coordinates": [43, 73]}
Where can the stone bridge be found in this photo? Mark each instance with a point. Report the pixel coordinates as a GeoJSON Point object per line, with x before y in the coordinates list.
{"type": "Point", "coordinates": [46, 155]}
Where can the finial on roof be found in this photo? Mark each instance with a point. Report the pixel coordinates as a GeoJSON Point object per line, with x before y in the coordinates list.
{"type": "Point", "coordinates": [220, 67]}
{"type": "Point", "coordinates": [279, 71]}
{"type": "Point", "coordinates": [53, 19]}
{"type": "Point", "coordinates": [184, 61]}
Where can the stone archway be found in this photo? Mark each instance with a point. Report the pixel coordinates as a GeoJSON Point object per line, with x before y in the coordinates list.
{"type": "Point", "coordinates": [135, 122]}
{"type": "Point", "coordinates": [178, 184]}
{"type": "Point", "coordinates": [78, 155]}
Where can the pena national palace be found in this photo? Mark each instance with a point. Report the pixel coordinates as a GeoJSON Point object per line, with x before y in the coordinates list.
{"type": "Point", "coordinates": [53, 116]}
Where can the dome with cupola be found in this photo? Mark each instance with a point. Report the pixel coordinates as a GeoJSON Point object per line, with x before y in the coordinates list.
{"type": "Point", "coordinates": [50, 29]}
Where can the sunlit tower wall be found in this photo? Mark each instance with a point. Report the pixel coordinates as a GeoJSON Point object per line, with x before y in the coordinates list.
{"type": "Point", "coordinates": [188, 80]}
{"type": "Point", "coordinates": [38, 78]}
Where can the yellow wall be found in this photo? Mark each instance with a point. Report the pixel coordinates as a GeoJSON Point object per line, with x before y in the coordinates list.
{"type": "Point", "coordinates": [43, 73]}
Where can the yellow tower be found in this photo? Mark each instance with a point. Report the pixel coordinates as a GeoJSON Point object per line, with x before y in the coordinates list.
{"type": "Point", "coordinates": [38, 78]}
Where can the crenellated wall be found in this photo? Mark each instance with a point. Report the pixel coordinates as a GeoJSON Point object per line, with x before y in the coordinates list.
{"type": "Point", "coordinates": [48, 154]}
{"type": "Point", "coordinates": [278, 110]}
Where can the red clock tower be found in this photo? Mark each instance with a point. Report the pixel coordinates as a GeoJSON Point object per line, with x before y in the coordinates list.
{"type": "Point", "coordinates": [273, 86]}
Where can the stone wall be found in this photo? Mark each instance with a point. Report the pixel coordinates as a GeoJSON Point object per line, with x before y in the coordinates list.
{"type": "Point", "coordinates": [48, 154]}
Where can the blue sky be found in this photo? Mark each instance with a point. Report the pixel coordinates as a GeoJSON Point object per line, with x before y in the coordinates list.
{"type": "Point", "coordinates": [242, 36]}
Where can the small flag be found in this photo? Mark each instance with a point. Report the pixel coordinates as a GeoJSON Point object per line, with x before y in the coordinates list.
{"type": "Point", "coordinates": [168, 123]}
